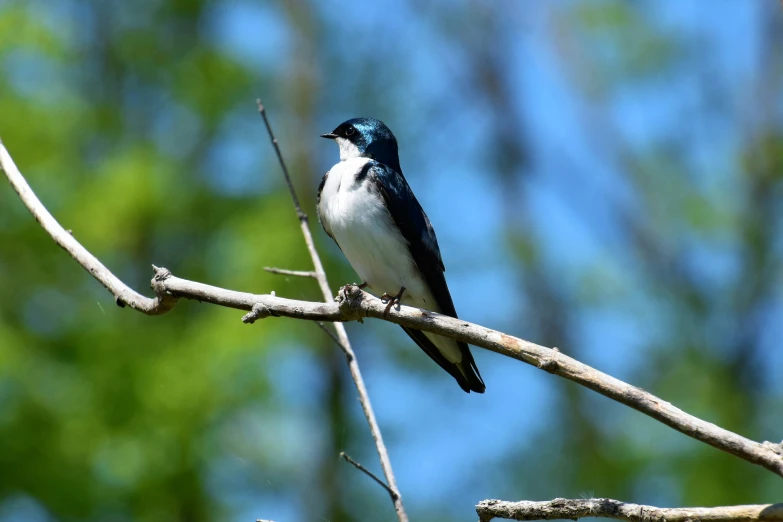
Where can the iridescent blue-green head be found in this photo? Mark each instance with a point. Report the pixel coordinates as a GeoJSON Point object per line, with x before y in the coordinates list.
{"type": "Point", "coordinates": [366, 137]}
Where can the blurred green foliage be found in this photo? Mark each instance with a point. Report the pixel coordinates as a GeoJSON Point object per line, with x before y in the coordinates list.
{"type": "Point", "coordinates": [105, 413]}
{"type": "Point", "coordinates": [132, 122]}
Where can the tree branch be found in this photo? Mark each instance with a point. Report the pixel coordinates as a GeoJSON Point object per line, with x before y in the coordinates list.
{"type": "Point", "coordinates": [367, 472]}
{"type": "Point", "coordinates": [562, 508]}
{"type": "Point", "coordinates": [295, 273]}
{"type": "Point", "coordinates": [123, 294]}
{"type": "Point", "coordinates": [342, 335]}
{"type": "Point", "coordinates": [333, 337]}
{"type": "Point", "coordinates": [353, 304]}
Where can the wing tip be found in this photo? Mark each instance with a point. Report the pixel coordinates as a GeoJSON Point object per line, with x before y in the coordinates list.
{"type": "Point", "coordinates": [464, 372]}
{"type": "Point", "coordinates": [470, 380]}
{"type": "Point", "coordinates": [472, 387]}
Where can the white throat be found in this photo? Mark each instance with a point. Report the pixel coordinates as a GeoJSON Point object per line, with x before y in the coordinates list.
{"type": "Point", "coordinates": [347, 149]}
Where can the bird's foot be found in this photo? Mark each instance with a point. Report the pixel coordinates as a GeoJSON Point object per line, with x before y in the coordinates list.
{"type": "Point", "coordinates": [392, 300]}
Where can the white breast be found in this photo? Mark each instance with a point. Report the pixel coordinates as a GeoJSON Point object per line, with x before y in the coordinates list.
{"type": "Point", "coordinates": [358, 220]}
{"type": "Point", "coordinates": [367, 235]}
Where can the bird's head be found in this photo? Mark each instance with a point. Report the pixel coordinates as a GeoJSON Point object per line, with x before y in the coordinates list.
{"type": "Point", "coordinates": [366, 137]}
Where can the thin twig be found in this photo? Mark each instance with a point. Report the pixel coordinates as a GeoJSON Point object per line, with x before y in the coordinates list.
{"type": "Point", "coordinates": [295, 273]}
{"type": "Point", "coordinates": [354, 304]}
{"type": "Point", "coordinates": [563, 508]}
{"type": "Point", "coordinates": [367, 472]}
{"type": "Point", "coordinates": [333, 337]}
{"type": "Point", "coordinates": [350, 357]}
{"type": "Point", "coordinates": [280, 160]}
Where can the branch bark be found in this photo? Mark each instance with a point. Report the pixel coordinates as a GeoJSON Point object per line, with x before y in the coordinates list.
{"type": "Point", "coordinates": [562, 508]}
{"type": "Point", "coordinates": [353, 304]}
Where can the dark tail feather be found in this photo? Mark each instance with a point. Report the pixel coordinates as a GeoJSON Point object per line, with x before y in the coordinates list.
{"type": "Point", "coordinates": [465, 372]}
{"type": "Point", "coordinates": [470, 370]}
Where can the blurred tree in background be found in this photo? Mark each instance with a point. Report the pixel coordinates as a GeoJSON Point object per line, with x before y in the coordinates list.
{"type": "Point", "coordinates": [612, 172]}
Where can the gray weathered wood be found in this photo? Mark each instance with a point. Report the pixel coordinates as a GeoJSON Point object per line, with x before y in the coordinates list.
{"type": "Point", "coordinates": [562, 508]}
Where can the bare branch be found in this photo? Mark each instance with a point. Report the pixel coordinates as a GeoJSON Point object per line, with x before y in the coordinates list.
{"type": "Point", "coordinates": [367, 472]}
{"type": "Point", "coordinates": [333, 337]}
{"type": "Point", "coordinates": [295, 273]}
{"type": "Point", "coordinates": [124, 295]}
{"type": "Point", "coordinates": [345, 344]}
{"type": "Point", "coordinates": [562, 508]}
{"type": "Point", "coordinates": [353, 304]}
{"type": "Point", "coordinates": [281, 161]}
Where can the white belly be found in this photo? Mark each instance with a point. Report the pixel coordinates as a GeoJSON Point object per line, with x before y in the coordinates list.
{"type": "Point", "coordinates": [368, 237]}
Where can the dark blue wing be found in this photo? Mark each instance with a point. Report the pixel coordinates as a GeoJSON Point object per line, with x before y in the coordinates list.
{"type": "Point", "coordinates": [417, 230]}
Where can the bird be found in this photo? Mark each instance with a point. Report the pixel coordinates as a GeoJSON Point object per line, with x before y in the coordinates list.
{"type": "Point", "coordinates": [367, 207]}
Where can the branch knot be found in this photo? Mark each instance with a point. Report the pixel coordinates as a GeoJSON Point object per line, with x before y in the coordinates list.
{"type": "Point", "coordinates": [350, 297]}
{"type": "Point", "coordinates": [259, 311]}
{"type": "Point", "coordinates": [550, 364]}
{"type": "Point", "coordinates": [161, 273]}
{"type": "Point", "coordinates": [164, 300]}
{"type": "Point", "coordinates": [776, 447]}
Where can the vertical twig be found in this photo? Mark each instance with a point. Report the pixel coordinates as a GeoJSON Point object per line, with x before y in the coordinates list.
{"type": "Point", "coordinates": [345, 344]}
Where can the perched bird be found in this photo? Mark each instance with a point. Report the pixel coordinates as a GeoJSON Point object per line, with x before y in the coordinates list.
{"type": "Point", "coordinates": [366, 206]}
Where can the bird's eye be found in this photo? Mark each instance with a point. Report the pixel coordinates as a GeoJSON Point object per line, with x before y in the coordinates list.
{"type": "Point", "coordinates": [350, 132]}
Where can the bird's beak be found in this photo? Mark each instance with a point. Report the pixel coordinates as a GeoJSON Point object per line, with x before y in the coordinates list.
{"type": "Point", "coordinates": [329, 135]}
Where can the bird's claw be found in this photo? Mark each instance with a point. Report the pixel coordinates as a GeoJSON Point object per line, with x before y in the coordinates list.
{"type": "Point", "coordinates": [392, 300]}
